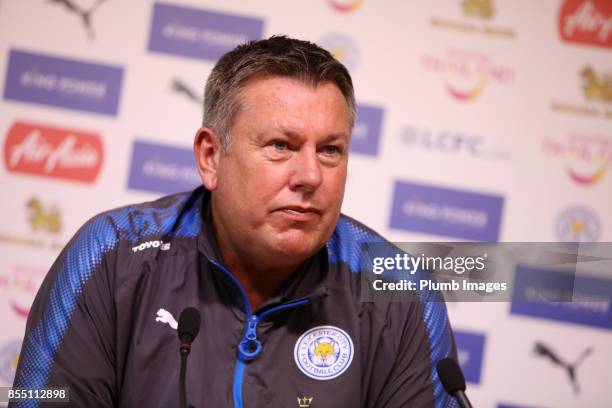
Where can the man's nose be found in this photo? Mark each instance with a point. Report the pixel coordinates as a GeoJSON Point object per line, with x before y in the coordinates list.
{"type": "Point", "coordinates": [306, 171]}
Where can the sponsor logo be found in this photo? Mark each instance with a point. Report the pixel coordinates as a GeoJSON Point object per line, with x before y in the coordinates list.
{"type": "Point", "coordinates": [9, 356]}
{"type": "Point", "coordinates": [470, 349]}
{"type": "Point", "coordinates": [449, 141]}
{"type": "Point", "coordinates": [164, 246]}
{"type": "Point", "coordinates": [478, 8]}
{"type": "Point", "coordinates": [540, 293]}
{"type": "Point", "coordinates": [586, 22]}
{"type": "Point", "coordinates": [597, 90]}
{"type": "Point", "coordinates": [304, 402]}
{"type": "Point", "coordinates": [448, 212]}
{"type": "Point", "coordinates": [343, 48]}
{"type": "Point", "coordinates": [20, 284]}
{"type": "Point", "coordinates": [53, 152]}
{"type": "Point", "coordinates": [466, 74]}
{"type": "Point", "coordinates": [587, 157]}
{"type": "Point", "coordinates": [476, 17]}
{"type": "Point", "coordinates": [324, 352]}
{"type": "Point", "coordinates": [345, 6]}
{"type": "Point", "coordinates": [182, 88]}
{"type": "Point", "coordinates": [577, 224]}
{"type": "Point", "coordinates": [197, 33]}
{"type": "Point", "coordinates": [511, 406]}
{"type": "Point", "coordinates": [65, 83]}
{"type": "Point", "coordinates": [83, 13]}
{"type": "Point", "coordinates": [162, 168]}
{"type": "Point", "coordinates": [544, 351]}
{"type": "Point", "coordinates": [596, 86]}
{"type": "Point", "coordinates": [367, 131]}
{"type": "Point", "coordinates": [45, 224]}
{"type": "Point", "coordinates": [44, 218]}
{"type": "Point", "coordinates": [164, 316]}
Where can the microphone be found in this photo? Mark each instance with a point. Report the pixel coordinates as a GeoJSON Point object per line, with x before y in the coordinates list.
{"type": "Point", "coordinates": [188, 328]}
{"type": "Point", "coordinates": [453, 381]}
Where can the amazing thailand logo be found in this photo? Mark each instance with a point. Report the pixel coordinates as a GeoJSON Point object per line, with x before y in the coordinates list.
{"type": "Point", "coordinates": [466, 73]}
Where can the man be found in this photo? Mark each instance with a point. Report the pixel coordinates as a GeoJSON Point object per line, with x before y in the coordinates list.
{"type": "Point", "coordinates": [261, 250]}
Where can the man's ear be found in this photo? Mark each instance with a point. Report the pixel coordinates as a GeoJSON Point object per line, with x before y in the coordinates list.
{"type": "Point", "coordinates": [207, 150]}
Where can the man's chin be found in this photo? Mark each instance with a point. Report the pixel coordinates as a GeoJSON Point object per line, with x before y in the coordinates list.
{"type": "Point", "coordinates": [296, 249]}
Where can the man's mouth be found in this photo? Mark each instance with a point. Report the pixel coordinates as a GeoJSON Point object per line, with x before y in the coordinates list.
{"type": "Point", "coordinates": [300, 213]}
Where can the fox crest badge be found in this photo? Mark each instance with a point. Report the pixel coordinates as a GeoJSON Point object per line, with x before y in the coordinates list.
{"type": "Point", "coordinates": [324, 352]}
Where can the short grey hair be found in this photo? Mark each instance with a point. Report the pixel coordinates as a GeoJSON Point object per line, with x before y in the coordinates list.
{"type": "Point", "coordinates": [276, 56]}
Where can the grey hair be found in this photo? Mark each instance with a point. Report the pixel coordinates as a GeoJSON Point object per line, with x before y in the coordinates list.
{"type": "Point", "coordinates": [279, 56]}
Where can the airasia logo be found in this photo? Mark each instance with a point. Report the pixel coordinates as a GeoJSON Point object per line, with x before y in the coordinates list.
{"type": "Point", "coordinates": [53, 152]}
{"type": "Point", "coordinates": [586, 22]}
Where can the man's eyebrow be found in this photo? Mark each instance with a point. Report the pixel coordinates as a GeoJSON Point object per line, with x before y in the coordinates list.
{"type": "Point", "coordinates": [335, 136]}
{"type": "Point", "coordinates": [329, 138]}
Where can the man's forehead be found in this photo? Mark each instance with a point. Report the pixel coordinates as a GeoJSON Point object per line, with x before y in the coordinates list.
{"type": "Point", "coordinates": [292, 92]}
{"type": "Point", "coordinates": [272, 83]}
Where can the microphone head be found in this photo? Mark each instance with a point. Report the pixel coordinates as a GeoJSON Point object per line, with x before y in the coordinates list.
{"type": "Point", "coordinates": [450, 375]}
{"type": "Point", "coordinates": [188, 325]}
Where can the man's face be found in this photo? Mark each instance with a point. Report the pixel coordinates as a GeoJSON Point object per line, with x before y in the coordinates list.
{"type": "Point", "coordinates": [279, 189]}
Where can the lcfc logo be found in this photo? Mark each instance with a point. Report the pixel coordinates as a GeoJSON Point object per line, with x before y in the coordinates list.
{"type": "Point", "coordinates": [324, 352]}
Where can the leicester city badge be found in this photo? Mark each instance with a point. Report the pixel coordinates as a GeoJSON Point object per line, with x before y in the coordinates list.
{"type": "Point", "coordinates": [324, 352]}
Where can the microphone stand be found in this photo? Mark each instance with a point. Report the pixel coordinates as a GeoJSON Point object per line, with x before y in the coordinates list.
{"type": "Point", "coordinates": [182, 385]}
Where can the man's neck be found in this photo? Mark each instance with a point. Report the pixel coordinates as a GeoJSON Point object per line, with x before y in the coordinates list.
{"type": "Point", "coordinates": [258, 285]}
{"type": "Point", "coordinates": [261, 277]}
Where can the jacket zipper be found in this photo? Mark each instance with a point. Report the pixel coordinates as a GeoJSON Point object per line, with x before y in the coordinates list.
{"type": "Point", "coordinates": [250, 347]}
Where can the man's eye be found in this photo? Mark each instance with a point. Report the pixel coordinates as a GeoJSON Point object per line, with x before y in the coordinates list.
{"type": "Point", "coordinates": [280, 145]}
{"type": "Point", "coordinates": [331, 150]}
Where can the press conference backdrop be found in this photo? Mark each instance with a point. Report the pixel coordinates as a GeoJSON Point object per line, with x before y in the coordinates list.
{"type": "Point", "coordinates": [478, 120]}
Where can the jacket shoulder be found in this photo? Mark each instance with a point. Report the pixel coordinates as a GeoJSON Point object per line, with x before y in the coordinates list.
{"type": "Point", "coordinates": [100, 236]}
{"type": "Point", "coordinates": [173, 215]}
{"type": "Point", "coordinates": [348, 238]}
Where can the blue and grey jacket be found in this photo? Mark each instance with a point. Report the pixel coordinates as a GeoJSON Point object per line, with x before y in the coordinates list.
{"type": "Point", "coordinates": [104, 323]}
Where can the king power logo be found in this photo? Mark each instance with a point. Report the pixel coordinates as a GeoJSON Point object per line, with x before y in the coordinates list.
{"type": "Point", "coordinates": [478, 18]}
{"type": "Point", "coordinates": [596, 87]}
{"type": "Point", "coordinates": [45, 225]}
{"type": "Point", "coordinates": [46, 151]}
{"type": "Point", "coordinates": [586, 22]}
{"type": "Point", "coordinates": [198, 33]}
{"type": "Point", "coordinates": [478, 8]}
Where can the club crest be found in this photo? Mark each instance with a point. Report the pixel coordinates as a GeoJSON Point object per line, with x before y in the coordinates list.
{"type": "Point", "coordinates": [324, 352]}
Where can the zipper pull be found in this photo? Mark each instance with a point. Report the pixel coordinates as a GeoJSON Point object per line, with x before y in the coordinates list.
{"type": "Point", "coordinates": [249, 347]}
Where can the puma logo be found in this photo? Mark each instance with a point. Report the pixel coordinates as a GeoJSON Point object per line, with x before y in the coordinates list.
{"type": "Point", "coordinates": [543, 350]}
{"type": "Point", "coordinates": [164, 316]}
{"type": "Point", "coordinates": [84, 14]}
{"type": "Point", "coordinates": [183, 88]}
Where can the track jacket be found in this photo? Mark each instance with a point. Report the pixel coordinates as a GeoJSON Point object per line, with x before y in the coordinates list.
{"type": "Point", "coordinates": [104, 323]}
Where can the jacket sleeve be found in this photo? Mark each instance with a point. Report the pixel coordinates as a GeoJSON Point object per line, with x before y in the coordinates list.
{"type": "Point", "coordinates": [70, 331]}
{"type": "Point", "coordinates": [420, 336]}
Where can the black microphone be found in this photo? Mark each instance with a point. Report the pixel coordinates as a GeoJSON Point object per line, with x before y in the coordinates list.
{"type": "Point", "coordinates": [453, 381]}
{"type": "Point", "coordinates": [188, 328]}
